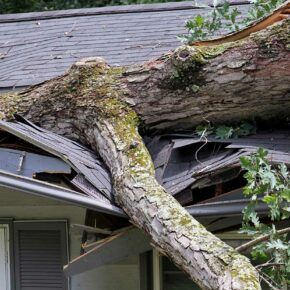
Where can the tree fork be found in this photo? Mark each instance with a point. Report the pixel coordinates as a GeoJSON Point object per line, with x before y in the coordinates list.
{"type": "Point", "coordinates": [103, 107]}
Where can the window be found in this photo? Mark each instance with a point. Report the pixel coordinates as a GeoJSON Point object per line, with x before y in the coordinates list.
{"type": "Point", "coordinates": [166, 276]}
{"type": "Point", "coordinates": [40, 251]}
{"type": "Point", "coordinates": [173, 278]}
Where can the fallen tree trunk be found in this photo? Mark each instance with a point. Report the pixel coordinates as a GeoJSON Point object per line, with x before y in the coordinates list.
{"type": "Point", "coordinates": [104, 106]}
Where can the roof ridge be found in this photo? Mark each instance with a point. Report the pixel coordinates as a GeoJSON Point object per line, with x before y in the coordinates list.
{"type": "Point", "coordinates": [136, 8]}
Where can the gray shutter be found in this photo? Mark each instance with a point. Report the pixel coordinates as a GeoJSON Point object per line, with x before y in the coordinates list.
{"type": "Point", "coordinates": [40, 253]}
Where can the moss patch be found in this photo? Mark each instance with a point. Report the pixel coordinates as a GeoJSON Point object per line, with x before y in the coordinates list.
{"type": "Point", "coordinates": [9, 105]}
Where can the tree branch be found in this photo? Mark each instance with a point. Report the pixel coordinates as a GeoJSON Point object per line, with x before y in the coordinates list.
{"type": "Point", "coordinates": [267, 280]}
{"type": "Point", "coordinates": [269, 265]}
{"type": "Point", "coordinates": [260, 239]}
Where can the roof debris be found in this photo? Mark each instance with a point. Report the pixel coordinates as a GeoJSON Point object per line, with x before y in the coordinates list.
{"type": "Point", "coordinates": [185, 162]}
{"type": "Point", "coordinates": [203, 175]}
{"type": "Point", "coordinates": [92, 176]}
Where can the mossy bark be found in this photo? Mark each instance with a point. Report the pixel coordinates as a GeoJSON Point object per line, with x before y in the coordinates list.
{"type": "Point", "coordinates": [105, 106]}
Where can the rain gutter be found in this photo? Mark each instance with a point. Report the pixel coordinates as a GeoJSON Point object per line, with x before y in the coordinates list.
{"type": "Point", "coordinates": [43, 189]}
{"type": "Point", "coordinates": [224, 208]}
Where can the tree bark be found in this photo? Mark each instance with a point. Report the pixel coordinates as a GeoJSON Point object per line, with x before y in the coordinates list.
{"type": "Point", "coordinates": [105, 106]}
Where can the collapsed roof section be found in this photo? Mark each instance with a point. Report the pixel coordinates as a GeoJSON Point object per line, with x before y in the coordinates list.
{"type": "Point", "coordinates": [31, 151]}
{"type": "Point", "coordinates": [195, 169]}
{"type": "Point", "coordinates": [48, 190]}
{"type": "Point", "coordinates": [204, 175]}
{"type": "Point", "coordinates": [92, 176]}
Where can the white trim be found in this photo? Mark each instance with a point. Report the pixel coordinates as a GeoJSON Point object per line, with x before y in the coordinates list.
{"type": "Point", "coordinates": [157, 270]}
{"type": "Point", "coordinates": [7, 256]}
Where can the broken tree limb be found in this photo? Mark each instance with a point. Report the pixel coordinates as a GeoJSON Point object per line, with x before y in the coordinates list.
{"type": "Point", "coordinates": [105, 106]}
{"type": "Point", "coordinates": [259, 240]}
{"type": "Point", "coordinates": [224, 83]}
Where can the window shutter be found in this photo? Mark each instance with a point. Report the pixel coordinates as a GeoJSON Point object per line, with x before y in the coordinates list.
{"type": "Point", "coordinates": [40, 253]}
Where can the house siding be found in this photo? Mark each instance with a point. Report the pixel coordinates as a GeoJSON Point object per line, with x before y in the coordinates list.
{"type": "Point", "coordinates": [122, 276]}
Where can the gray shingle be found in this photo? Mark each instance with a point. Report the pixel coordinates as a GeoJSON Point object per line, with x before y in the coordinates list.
{"type": "Point", "coordinates": [42, 45]}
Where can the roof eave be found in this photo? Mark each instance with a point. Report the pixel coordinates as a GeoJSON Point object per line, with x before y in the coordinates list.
{"type": "Point", "coordinates": [43, 189]}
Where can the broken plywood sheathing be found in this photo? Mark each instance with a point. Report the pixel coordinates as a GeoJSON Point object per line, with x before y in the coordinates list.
{"type": "Point", "coordinates": [29, 164]}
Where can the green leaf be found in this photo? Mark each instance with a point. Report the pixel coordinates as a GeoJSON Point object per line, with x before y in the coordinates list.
{"type": "Point", "coordinates": [262, 153]}
{"type": "Point", "coordinates": [269, 199]}
{"type": "Point", "coordinates": [204, 130]}
{"type": "Point", "coordinates": [285, 194]}
{"type": "Point", "coordinates": [259, 252]}
{"type": "Point", "coordinates": [250, 215]}
{"type": "Point", "coordinates": [285, 213]}
{"type": "Point", "coordinates": [269, 178]}
{"type": "Point", "coordinates": [246, 129]}
{"type": "Point", "coordinates": [277, 244]}
{"type": "Point", "coordinates": [199, 20]}
{"type": "Point", "coordinates": [283, 170]}
{"type": "Point", "coordinates": [224, 132]}
{"type": "Point", "coordinates": [246, 162]}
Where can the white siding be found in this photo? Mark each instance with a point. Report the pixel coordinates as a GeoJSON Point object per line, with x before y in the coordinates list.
{"type": "Point", "coordinates": [20, 206]}
{"type": "Point", "coordinates": [113, 277]}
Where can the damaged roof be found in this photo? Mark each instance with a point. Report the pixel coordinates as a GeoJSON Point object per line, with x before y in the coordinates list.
{"type": "Point", "coordinates": [38, 46]}
{"type": "Point", "coordinates": [183, 161]}
{"type": "Point", "coordinates": [203, 174]}
{"type": "Point", "coordinates": [92, 176]}
{"type": "Point", "coordinates": [90, 185]}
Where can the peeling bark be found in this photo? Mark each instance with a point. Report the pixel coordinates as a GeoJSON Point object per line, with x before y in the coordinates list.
{"type": "Point", "coordinates": [104, 106]}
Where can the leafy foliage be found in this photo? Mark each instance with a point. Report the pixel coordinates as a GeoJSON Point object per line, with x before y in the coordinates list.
{"type": "Point", "coordinates": [226, 131]}
{"type": "Point", "coordinates": [223, 16]}
{"type": "Point", "coordinates": [261, 8]}
{"type": "Point", "coordinates": [201, 27]}
{"type": "Point", "coordinates": [271, 185]}
{"type": "Point", "coordinates": [204, 130]}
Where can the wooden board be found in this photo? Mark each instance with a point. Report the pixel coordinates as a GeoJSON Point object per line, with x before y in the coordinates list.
{"type": "Point", "coordinates": [113, 249]}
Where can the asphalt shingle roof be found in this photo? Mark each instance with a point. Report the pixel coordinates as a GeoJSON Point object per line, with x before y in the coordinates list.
{"type": "Point", "coordinates": [35, 47]}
